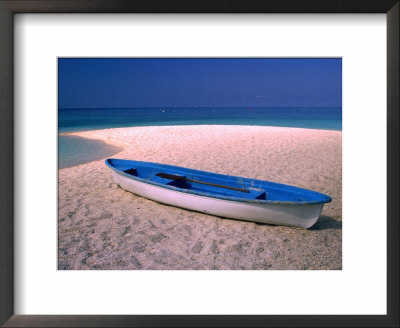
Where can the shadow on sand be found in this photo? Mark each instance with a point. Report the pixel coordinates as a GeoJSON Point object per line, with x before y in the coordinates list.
{"type": "Point", "coordinates": [326, 222]}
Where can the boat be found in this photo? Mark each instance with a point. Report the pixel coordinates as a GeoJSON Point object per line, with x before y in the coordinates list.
{"type": "Point", "coordinates": [218, 194]}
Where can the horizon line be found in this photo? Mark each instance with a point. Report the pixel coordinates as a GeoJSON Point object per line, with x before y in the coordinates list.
{"type": "Point", "coordinates": [175, 107]}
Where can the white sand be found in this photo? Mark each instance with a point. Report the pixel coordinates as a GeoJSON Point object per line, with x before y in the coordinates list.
{"type": "Point", "coordinates": [104, 227]}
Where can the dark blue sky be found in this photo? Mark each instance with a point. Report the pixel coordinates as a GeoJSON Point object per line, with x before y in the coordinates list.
{"type": "Point", "coordinates": [233, 82]}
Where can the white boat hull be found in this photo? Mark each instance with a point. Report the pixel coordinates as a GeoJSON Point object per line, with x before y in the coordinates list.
{"type": "Point", "coordinates": [298, 215]}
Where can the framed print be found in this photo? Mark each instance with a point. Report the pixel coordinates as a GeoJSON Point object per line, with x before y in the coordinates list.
{"type": "Point", "coordinates": [249, 92]}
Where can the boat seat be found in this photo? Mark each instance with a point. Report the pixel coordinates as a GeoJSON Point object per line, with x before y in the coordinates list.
{"type": "Point", "coordinates": [161, 180]}
{"type": "Point", "coordinates": [131, 171]}
{"type": "Point", "coordinates": [256, 194]}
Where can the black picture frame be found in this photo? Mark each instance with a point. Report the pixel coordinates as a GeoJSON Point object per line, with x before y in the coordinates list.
{"type": "Point", "coordinates": [10, 7]}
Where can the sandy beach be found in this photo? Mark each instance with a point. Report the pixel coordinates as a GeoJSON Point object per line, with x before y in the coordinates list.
{"type": "Point", "coordinates": [101, 226]}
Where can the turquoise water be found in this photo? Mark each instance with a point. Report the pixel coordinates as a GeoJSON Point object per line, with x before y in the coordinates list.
{"type": "Point", "coordinates": [328, 118]}
{"type": "Point", "coordinates": [74, 151]}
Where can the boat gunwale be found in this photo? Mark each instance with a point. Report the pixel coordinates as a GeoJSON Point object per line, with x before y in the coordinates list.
{"type": "Point", "coordinates": [211, 195]}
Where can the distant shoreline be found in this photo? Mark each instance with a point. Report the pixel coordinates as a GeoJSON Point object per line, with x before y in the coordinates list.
{"type": "Point", "coordinates": [112, 147]}
{"type": "Point", "coordinates": [93, 135]}
{"type": "Point", "coordinates": [73, 131]}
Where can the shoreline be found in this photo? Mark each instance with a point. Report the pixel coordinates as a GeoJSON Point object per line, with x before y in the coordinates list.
{"type": "Point", "coordinates": [104, 227]}
{"type": "Point", "coordinates": [66, 133]}
{"type": "Point", "coordinates": [98, 135]}
{"type": "Point", "coordinates": [75, 150]}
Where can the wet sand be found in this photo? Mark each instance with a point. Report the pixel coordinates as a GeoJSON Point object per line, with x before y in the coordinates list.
{"type": "Point", "coordinates": [101, 226]}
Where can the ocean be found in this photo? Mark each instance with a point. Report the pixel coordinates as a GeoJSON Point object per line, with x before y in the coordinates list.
{"type": "Point", "coordinates": [73, 151]}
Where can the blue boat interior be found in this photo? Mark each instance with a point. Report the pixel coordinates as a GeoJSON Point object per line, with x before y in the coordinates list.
{"type": "Point", "coordinates": [201, 182]}
{"type": "Point", "coordinates": [149, 173]}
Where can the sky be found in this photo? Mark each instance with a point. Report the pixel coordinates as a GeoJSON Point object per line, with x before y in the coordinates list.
{"type": "Point", "coordinates": [199, 82]}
